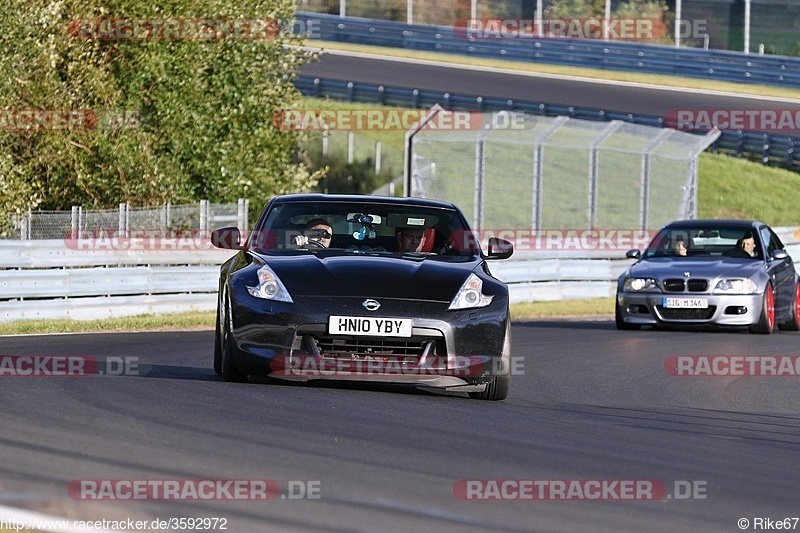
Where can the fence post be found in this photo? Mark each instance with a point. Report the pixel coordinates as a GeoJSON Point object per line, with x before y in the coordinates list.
{"type": "Point", "coordinates": [538, 171]}
{"type": "Point", "coordinates": [378, 147]}
{"type": "Point", "coordinates": [203, 216]}
{"type": "Point", "coordinates": [350, 146]}
{"type": "Point", "coordinates": [241, 214]}
{"type": "Point", "coordinates": [124, 219]}
{"type": "Point", "coordinates": [644, 200]}
{"type": "Point", "coordinates": [480, 175]}
{"type": "Point", "coordinates": [594, 174]}
{"type": "Point", "coordinates": [74, 223]}
{"type": "Point", "coordinates": [325, 141]}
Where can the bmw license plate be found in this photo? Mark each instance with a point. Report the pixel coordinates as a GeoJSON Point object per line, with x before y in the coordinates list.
{"type": "Point", "coordinates": [369, 326]}
{"type": "Point", "coordinates": [684, 303]}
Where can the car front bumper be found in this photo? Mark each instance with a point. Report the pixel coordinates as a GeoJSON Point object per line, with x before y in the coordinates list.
{"type": "Point", "coordinates": [723, 310]}
{"type": "Point", "coordinates": [452, 350]}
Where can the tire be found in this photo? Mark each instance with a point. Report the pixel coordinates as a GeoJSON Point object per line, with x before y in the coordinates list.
{"type": "Point", "coordinates": [766, 322]}
{"type": "Point", "coordinates": [621, 324]}
{"type": "Point", "coordinates": [793, 324]}
{"type": "Point", "coordinates": [497, 389]}
{"type": "Point", "coordinates": [227, 348]}
{"type": "Point", "coordinates": [217, 344]}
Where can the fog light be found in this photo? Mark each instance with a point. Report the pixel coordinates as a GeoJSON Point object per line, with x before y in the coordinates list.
{"type": "Point", "coordinates": [735, 310]}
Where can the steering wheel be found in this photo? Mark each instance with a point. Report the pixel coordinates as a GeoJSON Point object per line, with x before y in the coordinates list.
{"type": "Point", "coordinates": [315, 244]}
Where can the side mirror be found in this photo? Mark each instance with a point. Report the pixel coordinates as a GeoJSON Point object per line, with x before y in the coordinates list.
{"type": "Point", "coordinates": [227, 238]}
{"type": "Point", "coordinates": [499, 248]}
{"type": "Point", "coordinates": [633, 254]}
{"type": "Point", "coordinates": [779, 255]}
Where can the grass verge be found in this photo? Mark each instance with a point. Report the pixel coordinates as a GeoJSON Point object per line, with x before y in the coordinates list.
{"type": "Point", "coordinates": [586, 307]}
{"type": "Point", "coordinates": [195, 320]}
{"type": "Point", "coordinates": [204, 320]}
{"type": "Point", "coordinates": [581, 72]}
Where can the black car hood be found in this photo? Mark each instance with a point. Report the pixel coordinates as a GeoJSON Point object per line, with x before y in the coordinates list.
{"type": "Point", "coordinates": [333, 273]}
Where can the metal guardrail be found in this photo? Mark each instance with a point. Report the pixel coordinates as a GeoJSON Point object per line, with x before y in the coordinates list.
{"type": "Point", "coordinates": [780, 150]}
{"type": "Point", "coordinates": [720, 65]}
{"type": "Point", "coordinates": [49, 279]}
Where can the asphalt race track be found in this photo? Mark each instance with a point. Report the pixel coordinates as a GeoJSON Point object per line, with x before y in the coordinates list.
{"type": "Point", "coordinates": [574, 92]}
{"type": "Point", "coordinates": [593, 403]}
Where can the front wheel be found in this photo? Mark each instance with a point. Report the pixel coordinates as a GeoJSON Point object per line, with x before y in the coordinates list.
{"type": "Point", "coordinates": [218, 344]}
{"type": "Point", "coordinates": [497, 389]}
{"type": "Point", "coordinates": [793, 324]}
{"type": "Point", "coordinates": [766, 322]}
{"type": "Point", "coordinates": [227, 348]}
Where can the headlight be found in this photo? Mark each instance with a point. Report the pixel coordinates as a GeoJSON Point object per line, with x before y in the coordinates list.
{"type": "Point", "coordinates": [641, 285]}
{"type": "Point", "coordinates": [470, 295]}
{"type": "Point", "coordinates": [736, 286]}
{"type": "Point", "coordinates": [269, 287]}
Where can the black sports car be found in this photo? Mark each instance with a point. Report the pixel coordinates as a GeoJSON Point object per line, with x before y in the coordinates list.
{"type": "Point", "coordinates": [364, 288]}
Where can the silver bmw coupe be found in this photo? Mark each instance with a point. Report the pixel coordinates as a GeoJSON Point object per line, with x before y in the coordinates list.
{"type": "Point", "coordinates": [714, 272]}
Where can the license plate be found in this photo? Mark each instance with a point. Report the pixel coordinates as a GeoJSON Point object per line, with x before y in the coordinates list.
{"type": "Point", "coordinates": [369, 326]}
{"type": "Point", "coordinates": [685, 303]}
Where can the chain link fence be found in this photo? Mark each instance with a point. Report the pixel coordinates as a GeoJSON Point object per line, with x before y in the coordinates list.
{"type": "Point", "coordinates": [557, 173]}
{"type": "Point", "coordinates": [166, 221]}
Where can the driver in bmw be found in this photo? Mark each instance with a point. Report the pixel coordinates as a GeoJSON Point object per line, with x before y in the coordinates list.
{"type": "Point", "coordinates": [318, 233]}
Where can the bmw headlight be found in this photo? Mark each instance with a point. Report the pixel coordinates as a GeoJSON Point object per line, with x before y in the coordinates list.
{"type": "Point", "coordinates": [640, 285]}
{"type": "Point", "coordinates": [470, 295]}
{"type": "Point", "coordinates": [269, 286]}
{"type": "Point", "coordinates": [736, 286]}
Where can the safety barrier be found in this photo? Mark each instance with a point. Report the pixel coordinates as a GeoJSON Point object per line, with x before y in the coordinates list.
{"type": "Point", "coordinates": [719, 65]}
{"type": "Point", "coordinates": [49, 279]}
{"type": "Point", "coordinates": [779, 150]}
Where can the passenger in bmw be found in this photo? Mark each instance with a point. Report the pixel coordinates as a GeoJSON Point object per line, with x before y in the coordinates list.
{"type": "Point", "coordinates": [318, 234]}
{"type": "Point", "coordinates": [745, 248]}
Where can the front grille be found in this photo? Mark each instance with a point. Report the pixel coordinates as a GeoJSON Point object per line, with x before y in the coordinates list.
{"type": "Point", "coordinates": [674, 285]}
{"type": "Point", "coordinates": [356, 347]}
{"type": "Point", "coordinates": [686, 314]}
{"type": "Point", "coordinates": [697, 285]}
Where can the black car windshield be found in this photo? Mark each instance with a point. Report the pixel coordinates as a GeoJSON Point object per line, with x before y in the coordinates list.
{"type": "Point", "coordinates": [363, 227]}
{"type": "Point", "coordinates": [694, 242]}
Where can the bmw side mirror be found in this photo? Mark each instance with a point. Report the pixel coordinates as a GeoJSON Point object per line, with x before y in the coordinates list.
{"type": "Point", "coordinates": [227, 238]}
{"type": "Point", "coordinates": [633, 254]}
{"type": "Point", "coordinates": [499, 248]}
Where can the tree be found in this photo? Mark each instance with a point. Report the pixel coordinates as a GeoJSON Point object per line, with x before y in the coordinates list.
{"type": "Point", "coordinates": [655, 11]}
{"type": "Point", "coordinates": [571, 9]}
{"type": "Point", "coordinates": [162, 117]}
